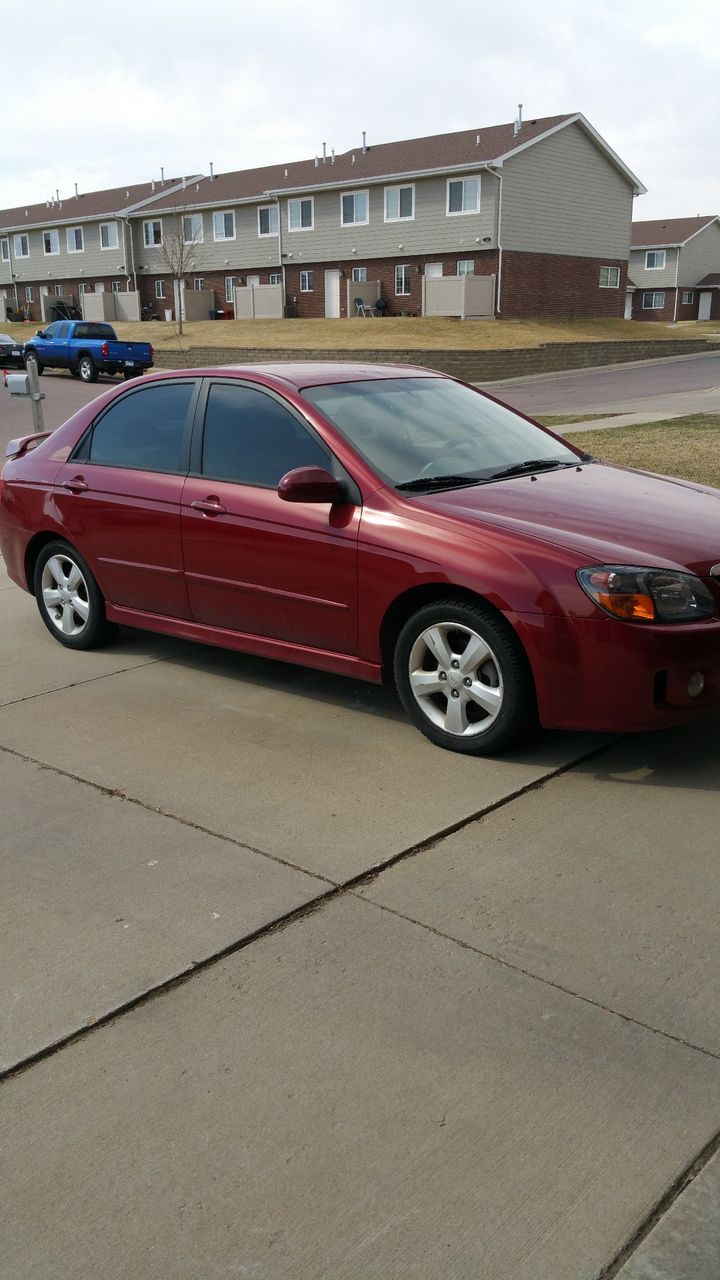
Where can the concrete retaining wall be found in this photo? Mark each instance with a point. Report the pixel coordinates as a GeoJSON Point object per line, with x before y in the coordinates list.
{"type": "Point", "coordinates": [473, 366]}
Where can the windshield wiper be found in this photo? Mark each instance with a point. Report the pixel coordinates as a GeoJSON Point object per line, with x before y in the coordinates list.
{"type": "Point", "coordinates": [439, 482]}
{"type": "Point", "coordinates": [532, 464]}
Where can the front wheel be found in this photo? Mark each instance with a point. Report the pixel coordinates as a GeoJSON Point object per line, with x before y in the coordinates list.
{"type": "Point", "coordinates": [31, 360]}
{"type": "Point", "coordinates": [463, 678]}
{"type": "Point", "coordinates": [87, 369]}
{"type": "Point", "coordinates": [69, 599]}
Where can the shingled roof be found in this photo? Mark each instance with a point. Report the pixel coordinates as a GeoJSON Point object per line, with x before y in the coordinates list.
{"type": "Point", "coordinates": [90, 204]}
{"type": "Point", "coordinates": [667, 233]}
{"type": "Point", "coordinates": [443, 151]}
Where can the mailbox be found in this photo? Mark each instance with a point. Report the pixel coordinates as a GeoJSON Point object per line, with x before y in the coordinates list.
{"type": "Point", "coordinates": [18, 384]}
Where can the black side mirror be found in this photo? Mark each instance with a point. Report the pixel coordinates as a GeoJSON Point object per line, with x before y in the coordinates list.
{"type": "Point", "coordinates": [39, 333]}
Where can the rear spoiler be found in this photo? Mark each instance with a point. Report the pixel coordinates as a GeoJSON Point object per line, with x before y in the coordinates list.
{"type": "Point", "coordinates": [25, 444]}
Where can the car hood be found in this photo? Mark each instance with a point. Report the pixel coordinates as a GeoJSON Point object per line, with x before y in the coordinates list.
{"type": "Point", "coordinates": [605, 513]}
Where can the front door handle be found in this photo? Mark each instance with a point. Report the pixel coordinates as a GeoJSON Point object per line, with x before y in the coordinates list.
{"type": "Point", "coordinates": [76, 485]}
{"type": "Point", "coordinates": [209, 506]}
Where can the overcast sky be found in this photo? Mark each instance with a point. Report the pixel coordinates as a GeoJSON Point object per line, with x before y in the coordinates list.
{"type": "Point", "coordinates": [102, 94]}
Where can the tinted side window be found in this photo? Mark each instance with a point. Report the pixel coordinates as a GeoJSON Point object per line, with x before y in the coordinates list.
{"type": "Point", "coordinates": [52, 330]}
{"type": "Point", "coordinates": [144, 429]}
{"type": "Point", "coordinates": [92, 330]}
{"type": "Point", "coordinates": [251, 439]}
{"type": "Point", "coordinates": [62, 329]}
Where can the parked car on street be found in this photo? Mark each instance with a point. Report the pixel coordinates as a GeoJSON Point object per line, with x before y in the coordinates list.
{"type": "Point", "coordinates": [11, 352]}
{"type": "Point", "coordinates": [87, 348]}
{"type": "Point", "coordinates": [381, 522]}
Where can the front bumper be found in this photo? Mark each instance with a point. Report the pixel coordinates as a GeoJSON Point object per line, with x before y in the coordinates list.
{"type": "Point", "coordinates": [607, 675]}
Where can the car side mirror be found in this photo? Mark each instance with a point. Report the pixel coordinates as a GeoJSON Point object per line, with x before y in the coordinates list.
{"type": "Point", "coordinates": [311, 484]}
{"type": "Point", "coordinates": [39, 333]}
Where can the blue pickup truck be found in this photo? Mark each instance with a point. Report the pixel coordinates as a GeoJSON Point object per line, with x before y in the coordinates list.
{"type": "Point", "coordinates": [87, 348]}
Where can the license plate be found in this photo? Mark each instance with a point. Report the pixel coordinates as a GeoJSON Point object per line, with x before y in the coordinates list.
{"type": "Point", "coordinates": [130, 364]}
{"type": "Point", "coordinates": [16, 351]}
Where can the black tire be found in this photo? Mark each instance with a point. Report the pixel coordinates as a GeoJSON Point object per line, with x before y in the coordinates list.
{"type": "Point", "coordinates": [501, 678]}
{"type": "Point", "coordinates": [83, 632]}
{"type": "Point", "coordinates": [31, 358]}
{"type": "Point", "coordinates": [128, 374]}
{"type": "Point", "coordinates": [87, 369]}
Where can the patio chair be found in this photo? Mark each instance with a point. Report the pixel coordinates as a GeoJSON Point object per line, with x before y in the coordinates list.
{"type": "Point", "coordinates": [363, 308]}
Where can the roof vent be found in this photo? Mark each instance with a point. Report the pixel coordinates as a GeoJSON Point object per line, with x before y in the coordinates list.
{"type": "Point", "coordinates": [353, 157]}
{"type": "Point", "coordinates": [127, 195]}
{"type": "Point", "coordinates": [332, 155]}
{"type": "Point", "coordinates": [324, 152]}
{"type": "Point", "coordinates": [364, 142]}
{"type": "Point", "coordinates": [286, 173]}
{"type": "Point", "coordinates": [519, 122]}
{"type": "Point", "coordinates": [317, 161]}
{"type": "Point", "coordinates": [212, 174]}
{"type": "Point", "coordinates": [477, 139]}
{"type": "Point", "coordinates": [77, 193]}
{"type": "Point", "coordinates": [152, 185]}
{"type": "Point", "coordinates": [162, 175]}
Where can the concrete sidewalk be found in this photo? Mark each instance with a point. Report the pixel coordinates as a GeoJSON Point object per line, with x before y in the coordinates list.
{"type": "Point", "coordinates": [288, 992]}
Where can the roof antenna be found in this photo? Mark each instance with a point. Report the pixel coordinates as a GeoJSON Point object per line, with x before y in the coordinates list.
{"type": "Point", "coordinates": [519, 122]}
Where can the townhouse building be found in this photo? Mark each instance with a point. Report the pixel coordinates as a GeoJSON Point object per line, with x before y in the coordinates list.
{"type": "Point", "coordinates": [675, 269]}
{"type": "Point", "coordinates": [542, 207]}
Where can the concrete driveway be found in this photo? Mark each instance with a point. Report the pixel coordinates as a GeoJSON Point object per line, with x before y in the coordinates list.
{"type": "Point", "coordinates": [288, 992]}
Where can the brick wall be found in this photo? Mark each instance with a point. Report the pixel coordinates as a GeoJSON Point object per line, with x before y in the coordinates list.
{"type": "Point", "coordinates": [664, 314]}
{"type": "Point", "coordinates": [559, 286]}
{"type": "Point", "coordinates": [473, 366]}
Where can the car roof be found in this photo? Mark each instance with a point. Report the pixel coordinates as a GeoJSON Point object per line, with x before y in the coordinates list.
{"type": "Point", "coordinates": [312, 373]}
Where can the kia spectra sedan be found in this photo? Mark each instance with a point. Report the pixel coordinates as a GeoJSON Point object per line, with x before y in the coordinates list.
{"type": "Point", "coordinates": [382, 522]}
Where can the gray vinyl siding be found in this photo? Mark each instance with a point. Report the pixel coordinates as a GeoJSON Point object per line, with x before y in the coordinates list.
{"type": "Point", "coordinates": [431, 231]}
{"type": "Point", "coordinates": [700, 256]}
{"type": "Point", "coordinates": [656, 278]}
{"type": "Point", "coordinates": [563, 196]}
{"type": "Point", "coordinates": [92, 264]}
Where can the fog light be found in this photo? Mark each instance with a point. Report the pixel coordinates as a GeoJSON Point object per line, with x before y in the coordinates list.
{"type": "Point", "coordinates": [696, 684]}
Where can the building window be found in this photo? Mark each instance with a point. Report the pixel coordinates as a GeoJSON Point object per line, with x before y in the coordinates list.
{"type": "Point", "coordinates": [399, 203]}
{"type": "Point", "coordinates": [230, 282]}
{"type": "Point", "coordinates": [655, 260]}
{"type": "Point", "coordinates": [268, 220]}
{"type": "Point", "coordinates": [152, 233]}
{"type": "Point", "coordinates": [51, 242]}
{"type": "Point", "coordinates": [108, 235]}
{"type": "Point", "coordinates": [75, 240]}
{"type": "Point", "coordinates": [275, 277]}
{"type": "Point", "coordinates": [192, 228]}
{"type": "Point", "coordinates": [466, 267]}
{"type": "Point", "coordinates": [354, 209]}
{"type": "Point", "coordinates": [359, 275]}
{"type": "Point", "coordinates": [85, 288]}
{"type": "Point", "coordinates": [159, 288]}
{"type": "Point", "coordinates": [688, 298]}
{"type": "Point", "coordinates": [58, 291]}
{"type": "Point", "coordinates": [198, 284]}
{"type": "Point", "coordinates": [463, 195]}
{"type": "Point", "coordinates": [306, 281]}
{"type": "Point", "coordinates": [301, 215]}
{"type": "Point", "coordinates": [21, 246]}
{"type": "Point", "coordinates": [609, 277]}
{"type": "Point", "coordinates": [28, 293]}
{"type": "Point", "coordinates": [402, 280]}
{"type": "Point", "coordinates": [115, 286]}
{"type": "Point", "coordinates": [5, 250]}
{"type": "Point", "coordinates": [224, 225]}
{"type": "Point", "coordinates": [654, 301]}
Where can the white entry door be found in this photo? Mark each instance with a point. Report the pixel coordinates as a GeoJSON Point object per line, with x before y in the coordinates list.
{"type": "Point", "coordinates": [628, 305]}
{"type": "Point", "coordinates": [704, 304]}
{"type": "Point", "coordinates": [332, 295]}
{"type": "Point", "coordinates": [433, 270]}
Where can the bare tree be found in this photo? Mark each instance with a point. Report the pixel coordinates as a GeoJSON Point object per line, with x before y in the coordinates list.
{"type": "Point", "coordinates": [177, 253]}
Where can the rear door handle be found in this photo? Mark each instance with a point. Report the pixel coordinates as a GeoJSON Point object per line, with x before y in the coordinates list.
{"type": "Point", "coordinates": [76, 485]}
{"type": "Point", "coordinates": [210, 506]}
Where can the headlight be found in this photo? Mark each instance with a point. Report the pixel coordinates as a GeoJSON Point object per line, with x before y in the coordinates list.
{"type": "Point", "coordinates": [647, 595]}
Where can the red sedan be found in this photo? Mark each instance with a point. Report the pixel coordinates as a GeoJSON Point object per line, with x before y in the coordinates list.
{"type": "Point", "coordinates": [380, 522]}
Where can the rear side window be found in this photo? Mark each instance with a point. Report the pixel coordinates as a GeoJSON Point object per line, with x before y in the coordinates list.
{"type": "Point", "coordinates": [251, 439]}
{"type": "Point", "coordinates": [144, 430]}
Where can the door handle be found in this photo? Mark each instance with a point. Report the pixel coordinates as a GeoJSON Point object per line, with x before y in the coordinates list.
{"type": "Point", "coordinates": [76, 485]}
{"type": "Point", "coordinates": [210, 506]}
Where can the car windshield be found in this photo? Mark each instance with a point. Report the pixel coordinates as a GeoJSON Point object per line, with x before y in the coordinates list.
{"type": "Point", "coordinates": [432, 433]}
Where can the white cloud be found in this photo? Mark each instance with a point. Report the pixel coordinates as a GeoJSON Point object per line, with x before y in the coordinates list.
{"type": "Point", "coordinates": [114, 94]}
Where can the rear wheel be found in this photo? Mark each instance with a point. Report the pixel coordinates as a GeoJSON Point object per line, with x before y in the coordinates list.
{"type": "Point", "coordinates": [87, 370]}
{"type": "Point", "coordinates": [131, 373]}
{"type": "Point", "coordinates": [463, 678]}
{"type": "Point", "coordinates": [69, 599]}
{"type": "Point", "coordinates": [31, 360]}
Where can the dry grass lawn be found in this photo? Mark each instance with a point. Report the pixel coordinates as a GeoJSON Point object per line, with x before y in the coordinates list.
{"type": "Point", "coordinates": [685, 447]}
{"type": "Point", "coordinates": [394, 332]}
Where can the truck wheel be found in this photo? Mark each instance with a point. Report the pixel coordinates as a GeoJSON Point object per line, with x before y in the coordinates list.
{"type": "Point", "coordinates": [31, 359]}
{"type": "Point", "coordinates": [129, 373]}
{"type": "Point", "coordinates": [87, 370]}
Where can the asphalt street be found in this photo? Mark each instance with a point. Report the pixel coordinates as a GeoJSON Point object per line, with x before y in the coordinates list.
{"type": "Point", "coordinates": [285, 991]}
